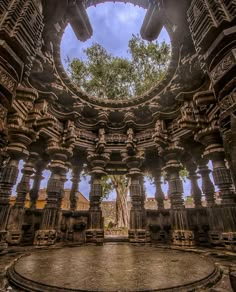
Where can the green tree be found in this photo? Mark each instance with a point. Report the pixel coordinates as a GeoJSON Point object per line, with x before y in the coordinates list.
{"type": "Point", "coordinates": [105, 76]}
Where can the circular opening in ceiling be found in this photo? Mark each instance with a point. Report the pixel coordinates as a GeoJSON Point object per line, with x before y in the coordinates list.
{"type": "Point", "coordinates": [115, 63]}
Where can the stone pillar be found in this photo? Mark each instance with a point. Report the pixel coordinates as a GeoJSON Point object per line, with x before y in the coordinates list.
{"type": "Point", "coordinates": [75, 188]}
{"type": "Point", "coordinates": [225, 227]}
{"type": "Point", "coordinates": [159, 195]}
{"type": "Point", "coordinates": [137, 232]}
{"type": "Point", "coordinates": [47, 234]}
{"type": "Point", "coordinates": [8, 179]}
{"type": "Point", "coordinates": [19, 136]}
{"type": "Point", "coordinates": [137, 229]}
{"type": "Point", "coordinates": [196, 192]}
{"type": "Point", "coordinates": [16, 219]}
{"type": "Point", "coordinates": [208, 188]}
{"type": "Point", "coordinates": [172, 167]}
{"type": "Point", "coordinates": [95, 232]}
{"type": "Point", "coordinates": [222, 178]}
{"type": "Point", "coordinates": [34, 192]}
{"type": "Point", "coordinates": [210, 137]}
{"type": "Point", "coordinates": [98, 161]}
{"type": "Point", "coordinates": [143, 191]}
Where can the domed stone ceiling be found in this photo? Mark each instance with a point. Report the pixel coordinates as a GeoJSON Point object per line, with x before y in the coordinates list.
{"type": "Point", "coordinates": [49, 72]}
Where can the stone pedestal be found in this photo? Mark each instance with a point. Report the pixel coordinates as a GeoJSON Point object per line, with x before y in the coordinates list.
{"type": "Point", "coordinates": [3, 240]}
{"type": "Point", "coordinates": [95, 236]}
{"type": "Point", "coordinates": [184, 238]}
{"type": "Point", "coordinates": [229, 240]}
{"type": "Point", "coordinates": [45, 237]}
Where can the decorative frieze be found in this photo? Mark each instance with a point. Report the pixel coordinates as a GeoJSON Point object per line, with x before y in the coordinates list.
{"type": "Point", "coordinates": [228, 62]}
{"type": "Point", "coordinates": [21, 26]}
{"type": "Point", "coordinates": [7, 81]}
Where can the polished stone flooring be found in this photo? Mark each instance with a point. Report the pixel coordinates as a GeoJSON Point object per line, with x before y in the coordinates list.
{"type": "Point", "coordinates": [114, 268]}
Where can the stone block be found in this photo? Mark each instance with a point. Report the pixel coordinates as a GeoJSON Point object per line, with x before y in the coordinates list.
{"type": "Point", "coordinates": [14, 237]}
{"type": "Point", "coordinates": [229, 240]}
{"type": "Point", "coordinates": [45, 237]}
{"type": "Point", "coordinates": [95, 236]}
{"type": "Point", "coordinates": [183, 238]}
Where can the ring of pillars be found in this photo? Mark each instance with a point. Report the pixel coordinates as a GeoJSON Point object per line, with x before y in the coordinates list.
{"type": "Point", "coordinates": [187, 120]}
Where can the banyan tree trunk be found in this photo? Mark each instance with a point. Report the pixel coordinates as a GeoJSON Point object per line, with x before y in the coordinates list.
{"type": "Point", "coordinates": [122, 211]}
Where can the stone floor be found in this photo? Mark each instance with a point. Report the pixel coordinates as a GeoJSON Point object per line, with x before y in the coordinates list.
{"type": "Point", "coordinates": [119, 267]}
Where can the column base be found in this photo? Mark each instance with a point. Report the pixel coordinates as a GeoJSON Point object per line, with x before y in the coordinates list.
{"type": "Point", "coordinates": [183, 238]}
{"type": "Point", "coordinates": [95, 236]}
{"type": "Point", "coordinates": [14, 237]}
{"type": "Point", "coordinates": [45, 237]}
{"type": "Point", "coordinates": [229, 240]}
{"type": "Point", "coordinates": [3, 240]}
{"type": "Point", "coordinates": [215, 237]}
{"type": "Point", "coordinates": [139, 236]}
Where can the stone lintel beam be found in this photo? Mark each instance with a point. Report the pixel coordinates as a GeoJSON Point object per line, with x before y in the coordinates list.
{"type": "Point", "coordinates": [153, 22]}
{"type": "Point", "coordinates": [79, 20]}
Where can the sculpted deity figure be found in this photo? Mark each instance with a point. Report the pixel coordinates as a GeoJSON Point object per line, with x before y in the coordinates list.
{"type": "Point", "coordinates": [101, 136]}
{"type": "Point", "coordinates": [3, 112]}
{"type": "Point", "coordinates": [158, 126]}
{"type": "Point", "coordinates": [130, 134]}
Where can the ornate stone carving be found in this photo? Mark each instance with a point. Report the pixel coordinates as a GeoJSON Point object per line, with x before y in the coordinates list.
{"type": "Point", "coordinates": [7, 81]}
{"type": "Point", "coordinates": [224, 66]}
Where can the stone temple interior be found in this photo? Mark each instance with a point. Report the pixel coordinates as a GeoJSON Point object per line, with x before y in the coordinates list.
{"type": "Point", "coordinates": [186, 120]}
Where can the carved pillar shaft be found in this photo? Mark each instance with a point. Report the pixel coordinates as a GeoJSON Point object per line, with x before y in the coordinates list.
{"type": "Point", "coordinates": [54, 189]}
{"type": "Point", "coordinates": [221, 174]}
{"type": "Point", "coordinates": [95, 202]}
{"type": "Point", "coordinates": [17, 213]}
{"type": "Point", "coordinates": [136, 195]}
{"type": "Point", "coordinates": [195, 190]}
{"type": "Point", "coordinates": [175, 190]}
{"type": "Point", "coordinates": [8, 179]}
{"type": "Point", "coordinates": [23, 187]}
{"type": "Point", "coordinates": [48, 232]}
{"type": "Point", "coordinates": [34, 192]}
{"type": "Point", "coordinates": [159, 195]}
{"type": "Point", "coordinates": [143, 192]}
{"type": "Point", "coordinates": [222, 178]}
{"type": "Point", "coordinates": [75, 188]}
{"type": "Point", "coordinates": [207, 185]}
{"type": "Point", "coordinates": [172, 155]}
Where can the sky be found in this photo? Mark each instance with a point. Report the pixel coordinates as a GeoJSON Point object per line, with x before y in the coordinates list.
{"type": "Point", "coordinates": [113, 25]}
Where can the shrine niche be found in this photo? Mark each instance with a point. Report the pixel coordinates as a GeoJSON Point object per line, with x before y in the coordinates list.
{"type": "Point", "coordinates": [185, 121]}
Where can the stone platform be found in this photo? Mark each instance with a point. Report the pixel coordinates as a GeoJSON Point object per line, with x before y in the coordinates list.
{"type": "Point", "coordinates": [119, 267]}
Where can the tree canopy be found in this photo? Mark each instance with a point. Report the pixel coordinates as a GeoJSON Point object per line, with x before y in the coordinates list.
{"type": "Point", "coordinates": [106, 76]}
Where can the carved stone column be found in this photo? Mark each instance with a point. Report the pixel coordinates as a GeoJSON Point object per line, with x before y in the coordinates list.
{"type": "Point", "coordinates": [137, 230]}
{"type": "Point", "coordinates": [159, 195]}
{"type": "Point", "coordinates": [214, 150]}
{"type": "Point", "coordinates": [16, 218]}
{"type": "Point", "coordinates": [37, 178]}
{"type": "Point", "coordinates": [20, 136]}
{"type": "Point", "coordinates": [75, 187]}
{"type": "Point", "coordinates": [98, 161]}
{"type": "Point", "coordinates": [8, 179]}
{"type": "Point", "coordinates": [47, 234]}
{"type": "Point", "coordinates": [208, 188]}
{"type": "Point", "coordinates": [172, 167]}
{"type": "Point", "coordinates": [196, 192]}
{"type": "Point", "coordinates": [143, 192]}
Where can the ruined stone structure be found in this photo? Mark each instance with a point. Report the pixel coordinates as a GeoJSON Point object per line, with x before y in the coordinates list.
{"type": "Point", "coordinates": [184, 121]}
